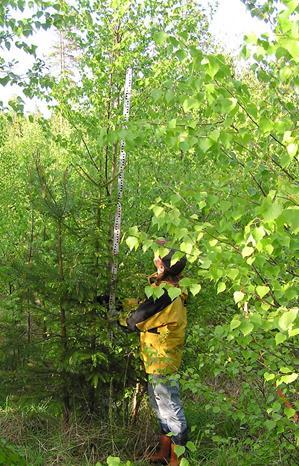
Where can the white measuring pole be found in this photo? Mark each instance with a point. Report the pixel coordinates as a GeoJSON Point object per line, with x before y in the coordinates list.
{"type": "Point", "coordinates": [120, 187]}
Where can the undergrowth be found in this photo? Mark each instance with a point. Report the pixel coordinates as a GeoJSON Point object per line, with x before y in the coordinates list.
{"type": "Point", "coordinates": [40, 438]}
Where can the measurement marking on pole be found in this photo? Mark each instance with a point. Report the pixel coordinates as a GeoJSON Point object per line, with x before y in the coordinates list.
{"type": "Point", "coordinates": [120, 186]}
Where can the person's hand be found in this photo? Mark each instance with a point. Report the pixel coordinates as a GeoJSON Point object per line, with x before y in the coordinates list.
{"type": "Point", "coordinates": [122, 323]}
{"type": "Point", "coordinates": [130, 304]}
{"type": "Point", "coordinates": [123, 320]}
{"type": "Point", "coordinates": [161, 241]}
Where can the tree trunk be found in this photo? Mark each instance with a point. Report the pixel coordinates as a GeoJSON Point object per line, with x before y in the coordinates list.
{"type": "Point", "coordinates": [30, 254]}
{"type": "Point", "coordinates": [63, 326]}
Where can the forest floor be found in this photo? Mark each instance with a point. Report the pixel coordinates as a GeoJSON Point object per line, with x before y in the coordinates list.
{"type": "Point", "coordinates": [37, 437]}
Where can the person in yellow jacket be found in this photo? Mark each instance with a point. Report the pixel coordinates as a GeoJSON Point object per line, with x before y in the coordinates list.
{"type": "Point", "coordinates": [161, 324]}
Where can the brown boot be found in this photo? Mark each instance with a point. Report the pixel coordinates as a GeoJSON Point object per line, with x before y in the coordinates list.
{"type": "Point", "coordinates": [174, 460]}
{"type": "Point", "coordinates": [163, 454]}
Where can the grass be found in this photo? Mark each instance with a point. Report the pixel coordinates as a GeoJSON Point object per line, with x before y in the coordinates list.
{"type": "Point", "coordinates": [41, 437]}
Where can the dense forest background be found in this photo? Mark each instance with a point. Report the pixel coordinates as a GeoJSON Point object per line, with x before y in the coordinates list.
{"type": "Point", "coordinates": [212, 166]}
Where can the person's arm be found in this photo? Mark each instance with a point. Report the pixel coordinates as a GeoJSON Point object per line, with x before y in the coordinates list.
{"type": "Point", "coordinates": [147, 309]}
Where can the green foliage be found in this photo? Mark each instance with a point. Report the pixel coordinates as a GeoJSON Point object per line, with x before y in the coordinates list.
{"type": "Point", "coordinates": [9, 455]}
{"type": "Point", "coordinates": [212, 167]}
{"type": "Point", "coordinates": [239, 228]}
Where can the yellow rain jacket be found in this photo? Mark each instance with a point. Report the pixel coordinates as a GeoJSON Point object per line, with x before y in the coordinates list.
{"type": "Point", "coordinates": [162, 325]}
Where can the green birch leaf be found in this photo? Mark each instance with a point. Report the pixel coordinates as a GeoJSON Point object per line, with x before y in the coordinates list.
{"type": "Point", "coordinates": [169, 96]}
{"type": "Point", "coordinates": [157, 291]}
{"type": "Point", "coordinates": [186, 246]}
{"type": "Point", "coordinates": [181, 54]}
{"type": "Point", "coordinates": [146, 245]}
{"type": "Point", "coordinates": [149, 291]}
{"type": "Point", "coordinates": [205, 263]}
{"type": "Point", "coordinates": [179, 450]}
{"type": "Point", "coordinates": [205, 144]}
{"type": "Point", "coordinates": [113, 461]}
{"type": "Point", "coordinates": [132, 242]}
{"type": "Point", "coordinates": [190, 445]}
{"type": "Point", "coordinates": [176, 257]}
{"type": "Point", "coordinates": [262, 290]}
{"type": "Point", "coordinates": [172, 123]}
{"type": "Point", "coordinates": [247, 251]}
{"type": "Point", "coordinates": [266, 125]}
{"type": "Point", "coordinates": [184, 462]}
{"type": "Point", "coordinates": [292, 46]}
{"type": "Point", "coordinates": [185, 282]}
{"type": "Point", "coordinates": [268, 376]}
{"type": "Point", "coordinates": [273, 211]}
{"type": "Point", "coordinates": [156, 94]}
{"type": "Point", "coordinates": [289, 412]}
{"type": "Point", "coordinates": [214, 66]}
{"type": "Point", "coordinates": [238, 296]}
{"type": "Point", "coordinates": [5, 80]}
{"type": "Point", "coordinates": [294, 332]}
{"type": "Point", "coordinates": [285, 160]}
{"type": "Point", "coordinates": [285, 370]}
{"type": "Point", "coordinates": [160, 37]}
{"type": "Point", "coordinates": [280, 338]}
{"type": "Point", "coordinates": [291, 217]}
{"type": "Point", "coordinates": [235, 323]}
{"type": "Point", "coordinates": [221, 287]}
{"type": "Point", "coordinates": [174, 292]}
{"type": "Point", "coordinates": [292, 149]}
{"type": "Point", "coordinates": [190, 104]}
{"type": "Point", "coordinates": [287, 378]}
{"type": "Point", "coordinates": [228, 104]}
{"type": "Point", "coordinates": [214, 135]}
{"type": "Point", "coordinates": [246, 327]}
{"type": "Point", "coordinates": [287, 318]}
{"type": "Point", "coordinates": [233, 273]}
{"type": "Point", "coordinates": [195, 288]}
{"type": "Point", "coordinates": [157, 210]}
{"type": "Point", "coordinates": [270, 425]}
